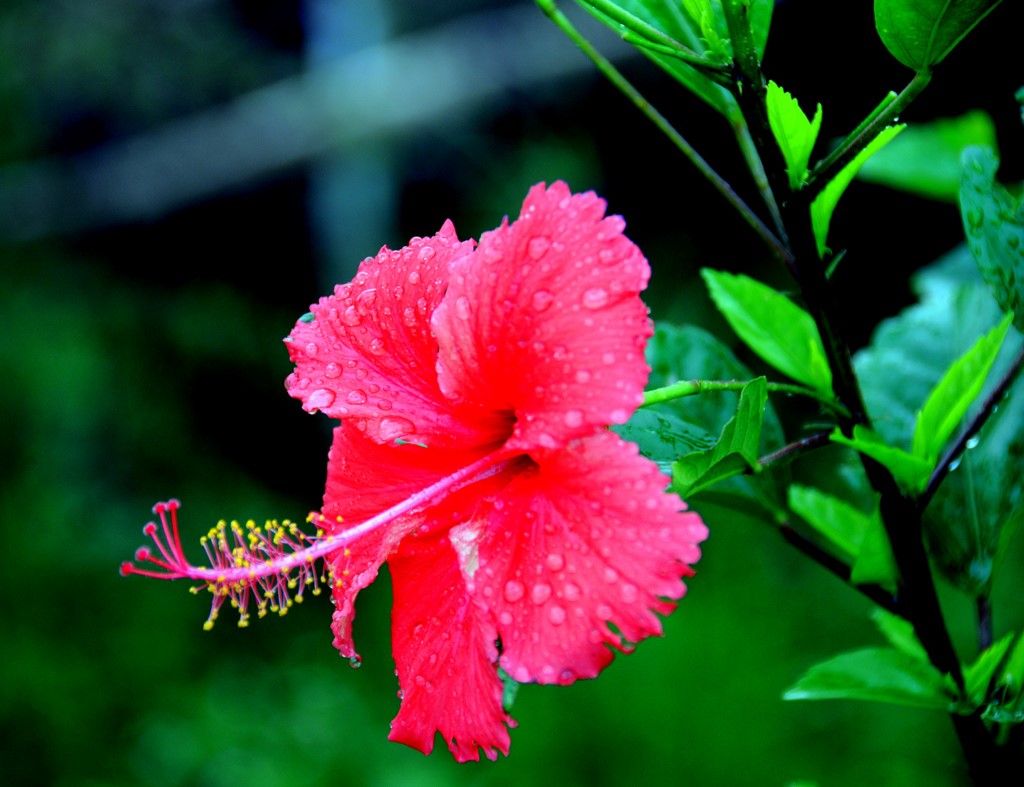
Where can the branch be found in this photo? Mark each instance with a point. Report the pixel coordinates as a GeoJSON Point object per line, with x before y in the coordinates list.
{"type": "Point", "coordinates": [955, 451]}
{"type": "Point", "coordinates": [615, 77]}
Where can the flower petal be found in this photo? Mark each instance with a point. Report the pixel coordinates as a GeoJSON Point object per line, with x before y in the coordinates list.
{"type": "Point", "coordinates": [365, 478]}
{"type": "Point", "coordinates": [445, 654]}
{"type": "Point", "coordinates": [545, 319]}
{"type": "Point", "coordinates": [368, 354]}
{"type": "Point", "coordinates": [586, 538]}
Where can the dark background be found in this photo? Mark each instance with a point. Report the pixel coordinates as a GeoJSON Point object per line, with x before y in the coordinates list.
{"type": "Point", "coordinates": [155, 247]}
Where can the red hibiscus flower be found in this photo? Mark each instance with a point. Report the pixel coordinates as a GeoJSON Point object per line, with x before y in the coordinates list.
{"type": "Point", "coordinates": [475, 388]}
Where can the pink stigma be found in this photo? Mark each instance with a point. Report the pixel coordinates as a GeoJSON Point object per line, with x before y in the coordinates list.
{"type": "Point", "coordinates": [272, 565]}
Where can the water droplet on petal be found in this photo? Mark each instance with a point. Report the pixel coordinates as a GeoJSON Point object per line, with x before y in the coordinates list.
{"type": "Point", "coordinates": [392, 428]}
{"type": "Point", "coordinates": [505, 618]}
{"type": "Point", "coordinates": [355, 662]}
{"type": "Point", "coordinates": [462, 307]}
{"type": "Point", "coordinates": [610, 574]}
{"type": "Point", "coordinates": [571, 591]}
{"type": "Point", "coordinates": [332, 370]}
{"type": "Point", "coordinates": [351, 316]}
{"type": "Point", "coordinates": [541, 592]}
{"type": "Point", "coordinates": [538, 246]}
{"type": "Point", "coordinates": [426, 253]}
{"type": "Point", "coordinates": [321, 398]}
{"type": "Point", "coordinates": [312, 349]}
{"type": "Point", "coordinates": [514, 591]}
{"type": "Point", "coordinates": [604, 612]}
{"type": "Point", "coordinates": [573, 418]}
{"type": "Point", "coordinates": [555, 561]}
{"type": "Point", "coordinates": [366, 298]}
{"type": "Point", "coordinates": [356, 396]}
{"type": "Point", "coordinates": [556, 614]}
{"type": "Point", "coordinates": [409, 316]}
{"type": "Point", "coordinates": [377, 346]}
{"type": "Point", "coordinates": [582, 376]}
{"type": "Point", "coordinates": [522, 675]}
{"type": "Point", "coordinates": [542, 299]}
{"type": "Point", "coordinates": [595, 298]}
{"type": "Point", "coordinates": [628, 593]}
{"type": "Point", "coordinates": [384, 404]}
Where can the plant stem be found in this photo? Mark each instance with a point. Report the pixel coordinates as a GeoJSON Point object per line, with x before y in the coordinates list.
{"type": "Point", "coordinates": [749, 150]}
{"type": "Point", "coordinates": [988, 408]}
{"type": "Point", "coordinates": [749, 90]}
{"type": "Point", "coordinates": [917, 600]}
{"type": "Point", "coordinates": [615, 77]}
{"type": "Point", "coordinates": [693, 387]}
{"type": "Point", "coordinates": [662, 42]}
{"type": "Point", "coordinates": [885, 114]}
{"type": "Point", "coordinates": [790, 452]}
{"type": "Point", "coordinates": [876, 593]}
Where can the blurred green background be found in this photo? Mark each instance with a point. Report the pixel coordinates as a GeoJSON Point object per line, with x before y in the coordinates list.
{"type": "Point", "coordinates": [178, 181]}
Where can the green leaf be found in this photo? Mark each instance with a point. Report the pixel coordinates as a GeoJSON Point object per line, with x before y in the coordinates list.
{"type": "Point", "coordinates": [910, 471]}
{"type": "Point", "coordinates": [509, 690]}
{"type": "Point", "coordinates": [925, 159]}
{"type": "Point", "coordinates": [687, 352]}
{"type": "Point", "coordinates": [920, 33]}
{"type": "Point", "coordinates": [774, 327]}
{"type": "Point", "coordinates": [672, 21]}
{"type": "Point", "coordinates": [794, 132]}
{"type": "Point", "coordinates": [824, 204]}
{"type": "Point", "coordinates": [713, 30]}
{"type": "Point", "coordinates": [1013, 672]}
{"type": "Point", "coordinates": [956, 391]}
{"type": "Point", "coordinates": [875, 564]}
{"type": "Point", "coordinates": [978, 676]}
{"type": "Point", "coordinates": [908, 355]}
{"type": "Point", "coordinates": [877, 674]}
{"type": "Point", "coordinates": [899, 633]}
{"type": "Point", "coordinates": [689, 24]}
{"type": "Point", "coordinates": [736, 449]}
{"type": "Point", "coordinates": [842, 524]}
{"type": "Point", "coordinates": [663, 436]}
{"type": "Point", "coordinates": [994, 223]}
{"type": "Point", "coordinates": [859, 537]}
